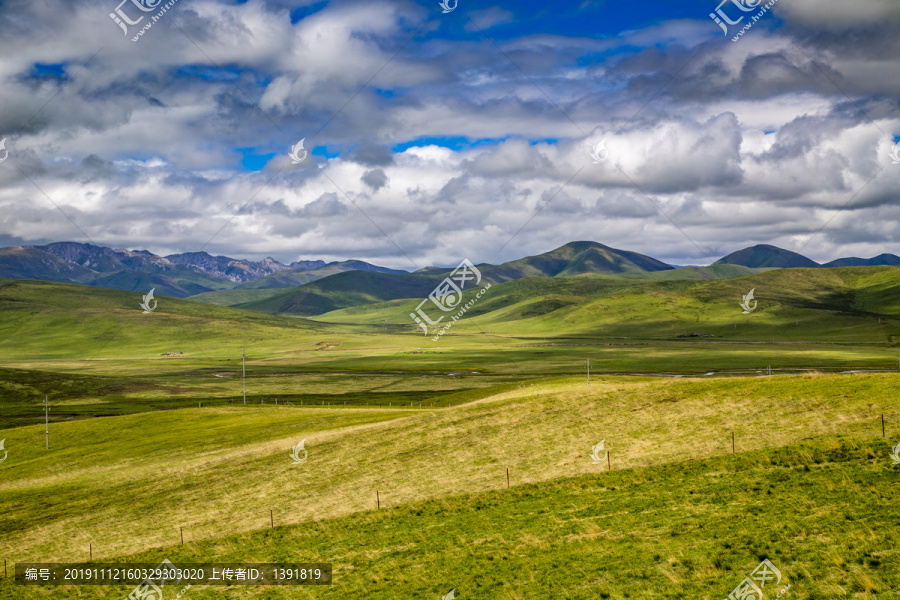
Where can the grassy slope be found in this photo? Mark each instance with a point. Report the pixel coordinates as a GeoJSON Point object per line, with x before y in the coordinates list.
{"type": "Point", "coordinates": [825, 514]}
{"type": "Point", "coordinates": [61, 320]}
{"type": "Point", "coordinates": [350, 288]}
{"type": "Point", "coordinates": [252, 299]}
{"type": "Point", "coordinates": [573, 259]}
{"type": "Point", "coordinates": [234, 297]}
{"type": "Point", "coordinates": [178, 284]}
{"type": "Point", "coordinates": [710, 272]}
{"type": "Point", "coordinates": [838, 304]}
{"type": "Point", "coordinates": [220, 470]}
{"type": "Point", "coordinates": [284, 279]}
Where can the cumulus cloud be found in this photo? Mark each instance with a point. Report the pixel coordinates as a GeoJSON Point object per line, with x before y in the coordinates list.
{"type": "Point", "coordinates": [431, 139]}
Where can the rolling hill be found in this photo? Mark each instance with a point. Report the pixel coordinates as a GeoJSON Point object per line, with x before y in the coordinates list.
{"type": "Point", "coordinates": [766, 256]}
{"type": "Point", "coordinates": [573, 259]}
{"type": "Point", "coordinates": [676, 512]}
{"type": "Point", "coordinates": [358, 288]}
{"type": "Point", "coordinates": [881, 259]}
{"type": "Point", "coordinates": [266, 287]}
{"type": "Point", "coordinates": [351, 288]}
{"type": "Point", "coordinates": [835, 303]}
{"type": "Point", "coordinates": [293, 277]}
{"type": "Point", "coordinates": [54, 319]}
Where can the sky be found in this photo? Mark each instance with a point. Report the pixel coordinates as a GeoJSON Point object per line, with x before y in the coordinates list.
{"type": "Point", "coordinates": [490, 131]}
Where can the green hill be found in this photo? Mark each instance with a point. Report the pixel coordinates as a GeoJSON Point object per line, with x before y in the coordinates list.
{"type": "Point", "coordinates": [860, 303]}
{"type": "Point", "coordinates": [235, 297]}
{"type": "Point", "coordinates": [716, 271]}
{"type": "Point", "coordinates": [272, 285]}
{"type": "Point", "coordinates": [766, 256]}
{"type": "Point", "coordinates": [179, 284]}
{"type": "Point", "coordinates": [351, 288]}
{"type": "Point", "coordinates": [575, 258]}
{"type": "Point", "coordinates": [881, 259]}
{"type": "Point", "coordinates": [50, 319]}
{"type": "Point", "coordinates": [346, 290]}
{"type": "Point", "coordinates": [292, 278]}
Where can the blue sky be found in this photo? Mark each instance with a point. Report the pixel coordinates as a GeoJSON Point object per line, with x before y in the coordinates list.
{"type": "Point", "coordinates": [449, 136]}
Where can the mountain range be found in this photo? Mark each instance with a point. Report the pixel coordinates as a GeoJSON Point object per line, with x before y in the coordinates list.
{"type": "Point", "coordinates": [179, 275]}
{"type": "Point", "coordinates": [311, 287]}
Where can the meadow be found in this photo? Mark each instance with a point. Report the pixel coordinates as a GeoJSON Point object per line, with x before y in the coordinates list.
{"type": "Point", "coordinates": [405, 491]}
{"type": "Point", "coordinates": [218, 472]}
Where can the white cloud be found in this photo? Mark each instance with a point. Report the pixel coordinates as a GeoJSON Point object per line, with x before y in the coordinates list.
{"type": "Point", "coordinates": [750, 143]}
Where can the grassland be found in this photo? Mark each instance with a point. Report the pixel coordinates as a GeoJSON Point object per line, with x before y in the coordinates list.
{"type": "Point", "coordinates": [94, 353]}
{"type": "Point", "coordinates": [825, 514]}
{"type": "Point", "coordinates": [843, 304]}
{"type": "Point", "coordinates": [433, 428]}
{"type": "Point", "coordinates": [219, 471]}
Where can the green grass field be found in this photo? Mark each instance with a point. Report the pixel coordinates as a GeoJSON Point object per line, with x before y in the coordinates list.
{"type": "Point", "coordinates": [145, 445]}
{"type": "Point", "coordinates": [217, 472]}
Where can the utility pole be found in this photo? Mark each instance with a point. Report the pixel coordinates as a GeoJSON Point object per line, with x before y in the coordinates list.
{"type": "Point", "coordinates": [244, 373]}
{"type": "Point", "coordinates": [47, 419]}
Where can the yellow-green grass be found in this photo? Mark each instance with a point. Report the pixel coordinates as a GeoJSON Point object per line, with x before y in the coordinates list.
{"type": "Point", "coordinates": [126, 484]}
{"type": "Point", "coordinates": [824, 513]}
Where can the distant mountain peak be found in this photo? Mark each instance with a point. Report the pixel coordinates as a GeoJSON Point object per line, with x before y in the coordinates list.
{"type": "Point", "coordinates": [880, 260]}
{"type": "Point", "coordinates": [766, 256]}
